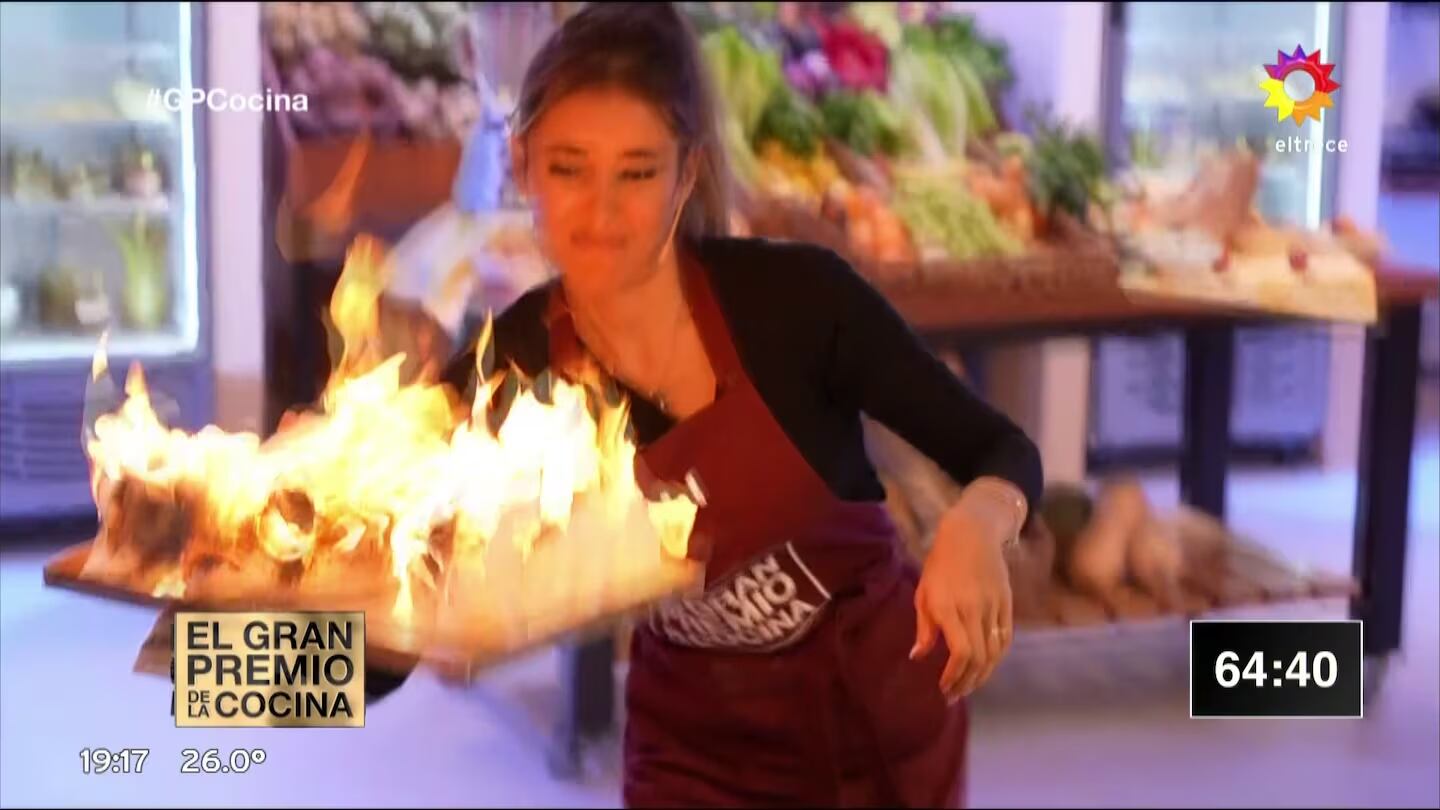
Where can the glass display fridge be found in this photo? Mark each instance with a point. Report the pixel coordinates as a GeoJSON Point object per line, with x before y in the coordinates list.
{"type": "Point", "coordinates": [101, 232]}
{"type": "Point", "coordinates": [1183, 80]}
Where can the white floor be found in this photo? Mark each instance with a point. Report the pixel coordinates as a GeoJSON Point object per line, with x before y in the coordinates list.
{"type": "Point", "coordinates": [1098, 719]}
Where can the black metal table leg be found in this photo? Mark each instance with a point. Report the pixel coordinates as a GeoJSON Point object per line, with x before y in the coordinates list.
{"type": "Point", "coordinates": [1205, 444]}
{"type": "Point", "coordinates": [1382, 506]}
{"type": "Point", "coordinates": [595, 686]}
{"type": "Point", "coordinates": [587, 678]}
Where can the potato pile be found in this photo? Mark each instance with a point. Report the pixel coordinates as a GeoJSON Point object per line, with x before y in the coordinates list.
{"type": "Point", "coordinates": [1115, 539]}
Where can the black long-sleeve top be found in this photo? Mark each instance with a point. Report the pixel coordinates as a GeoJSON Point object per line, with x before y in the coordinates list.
{"type": "Point", "coordinates": [822, 346]}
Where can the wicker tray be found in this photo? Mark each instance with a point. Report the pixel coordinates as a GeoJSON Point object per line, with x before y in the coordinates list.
{"type": "Point", "coordinates": [1072, 258]}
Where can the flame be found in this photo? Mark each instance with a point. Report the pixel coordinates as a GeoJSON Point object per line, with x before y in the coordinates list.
{"type": "Point", "coordinates": [371, 482]}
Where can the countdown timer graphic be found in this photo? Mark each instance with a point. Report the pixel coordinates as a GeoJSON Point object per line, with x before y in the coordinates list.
{"type": "Point", "coordinates": [1299, 86]}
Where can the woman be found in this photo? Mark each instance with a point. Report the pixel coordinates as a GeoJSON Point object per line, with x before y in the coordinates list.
{"type": "Point", "coordinates": [819, 667]}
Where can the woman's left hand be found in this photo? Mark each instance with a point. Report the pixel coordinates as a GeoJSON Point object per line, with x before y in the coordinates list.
{"type": "Point", "coordinates": [964, 593]}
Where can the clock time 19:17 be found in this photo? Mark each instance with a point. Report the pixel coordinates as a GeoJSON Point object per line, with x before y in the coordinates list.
{"type": "Point", "coordinates": [119, 760]}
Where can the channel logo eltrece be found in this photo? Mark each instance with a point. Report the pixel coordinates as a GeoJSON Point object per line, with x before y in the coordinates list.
{"type": "Point", "coordinates": [1282, 94]}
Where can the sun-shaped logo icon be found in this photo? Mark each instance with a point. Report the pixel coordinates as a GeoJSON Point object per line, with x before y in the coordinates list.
{"type": "Point", "coordinates": [1321, 86]}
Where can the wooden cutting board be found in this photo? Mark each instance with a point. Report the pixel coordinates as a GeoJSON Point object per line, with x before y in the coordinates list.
{"type": "Point", "coordinates": [64, 571]}
{"type": "Point", "coordinates": [387, 646]}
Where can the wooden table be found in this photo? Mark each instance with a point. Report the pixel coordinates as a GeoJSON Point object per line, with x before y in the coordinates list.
{"type": "Point", "coordinates": [965, 318]}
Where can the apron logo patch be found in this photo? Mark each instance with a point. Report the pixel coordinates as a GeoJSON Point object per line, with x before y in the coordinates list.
{"type": "Point", "coordinates": [765, 605]}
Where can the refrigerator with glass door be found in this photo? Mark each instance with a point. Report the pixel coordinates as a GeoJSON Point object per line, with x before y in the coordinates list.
{"type": "Point", "coordinates": [101, 232]}
{"type": "Point", "coordinates": [1184, 80]}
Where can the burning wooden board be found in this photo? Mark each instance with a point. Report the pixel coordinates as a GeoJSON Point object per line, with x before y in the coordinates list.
{"type": "Point", "coordinates": [528, 532]}
{"type": "Point", "coordinates": [508, 596]}
{"type": "Point", "coordinates": [182, 536]}
{"type": "Point", "coordinates": [531, 522]}
{"type": "Point", "coordinates": [497, 601]}
{"type": "Point", "coordinates": [66, 570]}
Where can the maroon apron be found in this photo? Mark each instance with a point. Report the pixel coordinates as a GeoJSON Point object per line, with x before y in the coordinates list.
{"type": "Point", "coordinates": [788, 681]}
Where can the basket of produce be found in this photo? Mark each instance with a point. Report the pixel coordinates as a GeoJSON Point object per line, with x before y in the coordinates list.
{"type": "Point", "coordinates": [875, 135]}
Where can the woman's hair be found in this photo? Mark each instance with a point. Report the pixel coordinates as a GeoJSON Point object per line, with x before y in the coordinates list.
{"type": "Point", "coordinates": [649, 50]}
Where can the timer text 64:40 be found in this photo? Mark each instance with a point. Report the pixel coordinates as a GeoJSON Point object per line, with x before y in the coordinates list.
{"type": "Point", "coordinates": [1302, 669]}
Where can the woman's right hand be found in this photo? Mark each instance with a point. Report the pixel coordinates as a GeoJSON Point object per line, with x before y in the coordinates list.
{"type": "Point", "coordinates": [964, 596]}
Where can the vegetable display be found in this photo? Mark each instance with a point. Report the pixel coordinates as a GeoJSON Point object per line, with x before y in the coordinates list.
{"type": "Point", "coordinates": [865, 122]}
{"type": "Point", "coordinates": [789, 120]}
{"type": "Point", "coordinates": [1067, 170]}
{"type": "Point", "coordinates": [901, 109]}
{"type": "Point", "coordinates": [857, 58]}
{"type": "Point", "coordinates": [421, 38]}
{"type": "Point", "coordinates": [294, 29]}
{"type": "Point", "coordinates": [872, 228]}
{"type": "Point", "coordinates": [786, 175]}
{"type": "Point", "coordinates": [1004, 191]}
{"type": "Point", "coordinates": [345, 93]}
{"type": "Point", "coordinates": [940, 212]}
{"type": "Point", "coordinates": [391, 68]}
{"type": "Point", "coordinates": [882, 20]}
{"type": "Point", "coordinates": [746, 77]}
{"type": "Point", "coordinates": [963, 80]}
{"type": "Point", "coordinates": [930, 96]}
{"type": "Point", "coordinates": [957, 38]}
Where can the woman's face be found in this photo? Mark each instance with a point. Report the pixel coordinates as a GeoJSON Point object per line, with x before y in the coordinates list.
{"type": "Point", "coordinates": [604, 175]}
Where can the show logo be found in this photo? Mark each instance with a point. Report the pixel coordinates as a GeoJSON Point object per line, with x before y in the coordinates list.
{"type": "Point", "coordinates": [269, 669]}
